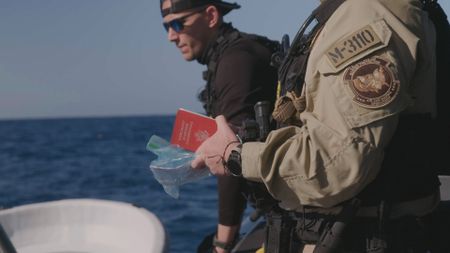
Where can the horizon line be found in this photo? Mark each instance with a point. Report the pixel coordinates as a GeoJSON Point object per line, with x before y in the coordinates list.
{"type": "Point", "coordinates": [67, 117]}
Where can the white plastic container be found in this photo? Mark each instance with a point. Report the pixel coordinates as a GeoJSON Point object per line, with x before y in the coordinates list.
{"type": "Point", "coordinates": [83, 226]}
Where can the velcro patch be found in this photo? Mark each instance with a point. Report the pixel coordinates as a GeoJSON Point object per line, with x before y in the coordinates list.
{"type": "Point", "coordinates": [353, 45]}
{"type": "Point", "coordinates": [372, 82]}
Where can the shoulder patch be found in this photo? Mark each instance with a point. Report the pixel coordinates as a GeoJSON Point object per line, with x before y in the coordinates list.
{"type": "Point", "coordinates": [372, 82]}
{"type": "Point", "coordinates": [352, 45]}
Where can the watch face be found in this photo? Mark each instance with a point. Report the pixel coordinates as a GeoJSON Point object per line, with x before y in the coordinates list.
{"type": "Point", "coordinates": [234, 163]}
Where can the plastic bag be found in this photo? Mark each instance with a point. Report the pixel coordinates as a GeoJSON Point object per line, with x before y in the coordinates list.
{"type": "Point", "coordinates": [173, 168]}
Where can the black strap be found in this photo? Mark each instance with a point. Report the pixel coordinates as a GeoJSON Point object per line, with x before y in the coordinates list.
{"type": "Point", "coordinates": [225, 39]}
{"type": "Point", "coordinates": [223, 245]}
{"type": "Point", "coordinates": [293, 78]}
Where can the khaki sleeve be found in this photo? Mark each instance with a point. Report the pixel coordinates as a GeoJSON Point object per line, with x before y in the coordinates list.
{"type": "Point", "coordinates": [351, 114]}
{"type": "Point", "coordinates": [314, 165]}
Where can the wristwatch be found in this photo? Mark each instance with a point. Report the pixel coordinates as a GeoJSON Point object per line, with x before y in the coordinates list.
{"type": "Point", "coordinates": [234, 163]}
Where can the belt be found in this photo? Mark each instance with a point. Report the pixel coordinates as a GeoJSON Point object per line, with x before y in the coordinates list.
{"type": "Point", "coordinates": [418, 207]}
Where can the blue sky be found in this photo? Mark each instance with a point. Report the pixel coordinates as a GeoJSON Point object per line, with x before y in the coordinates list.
{"type": "Point", "coordinates": [74, 58]}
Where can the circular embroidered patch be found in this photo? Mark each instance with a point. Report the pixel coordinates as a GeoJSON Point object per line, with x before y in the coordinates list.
{"type": "Point", "coordinates": [372, 83]}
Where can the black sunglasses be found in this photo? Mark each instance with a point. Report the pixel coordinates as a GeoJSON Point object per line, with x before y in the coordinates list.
{"type": "Point", "coordinates": [178, 24]}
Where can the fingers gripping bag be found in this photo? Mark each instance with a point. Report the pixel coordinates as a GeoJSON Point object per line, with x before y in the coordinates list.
{"type": "Point", "coordinates": [172, 167]}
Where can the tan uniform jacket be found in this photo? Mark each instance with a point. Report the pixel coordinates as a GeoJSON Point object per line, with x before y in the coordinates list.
{"type": "Point", "coordinates": [372, 60]}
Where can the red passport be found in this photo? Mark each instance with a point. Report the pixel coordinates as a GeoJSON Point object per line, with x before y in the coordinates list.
{"type": "Point", "coordinates": [191, 129]}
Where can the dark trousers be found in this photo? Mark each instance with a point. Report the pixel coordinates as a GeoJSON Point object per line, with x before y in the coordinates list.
{"type": "Point", "coordinates": [362, 235]}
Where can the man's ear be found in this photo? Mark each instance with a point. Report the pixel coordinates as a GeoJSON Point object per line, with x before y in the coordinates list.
{"type": "Point", "coordinates": [213, 16]}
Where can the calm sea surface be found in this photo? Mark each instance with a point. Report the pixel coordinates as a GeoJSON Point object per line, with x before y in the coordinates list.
{"type": "Point", "coordinates": [105, 158]}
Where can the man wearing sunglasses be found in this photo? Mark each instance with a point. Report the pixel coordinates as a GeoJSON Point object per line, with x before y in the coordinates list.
{"type": "Point", "coordinates": [238, 75]}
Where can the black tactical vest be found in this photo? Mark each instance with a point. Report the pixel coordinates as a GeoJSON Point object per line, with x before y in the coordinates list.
{"type": "Point", "coordinates": [292, 71]}
{"type": "Point", "coordinates": [227, 36]}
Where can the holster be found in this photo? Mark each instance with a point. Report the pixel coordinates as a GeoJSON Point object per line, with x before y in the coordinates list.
{"type": "Point", "coordinates": [279, 232]}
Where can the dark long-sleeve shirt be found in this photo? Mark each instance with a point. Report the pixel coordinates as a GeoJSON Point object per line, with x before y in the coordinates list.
{"type": "Point", "coordinates": [243, 77]}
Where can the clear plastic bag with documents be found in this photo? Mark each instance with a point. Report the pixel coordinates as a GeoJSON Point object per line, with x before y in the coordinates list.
{"type": "Point", "coordinates": [173, 168]}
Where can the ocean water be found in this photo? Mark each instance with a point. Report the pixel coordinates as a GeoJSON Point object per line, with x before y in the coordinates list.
{"type": "Point", "coordinates": [104, 158]}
